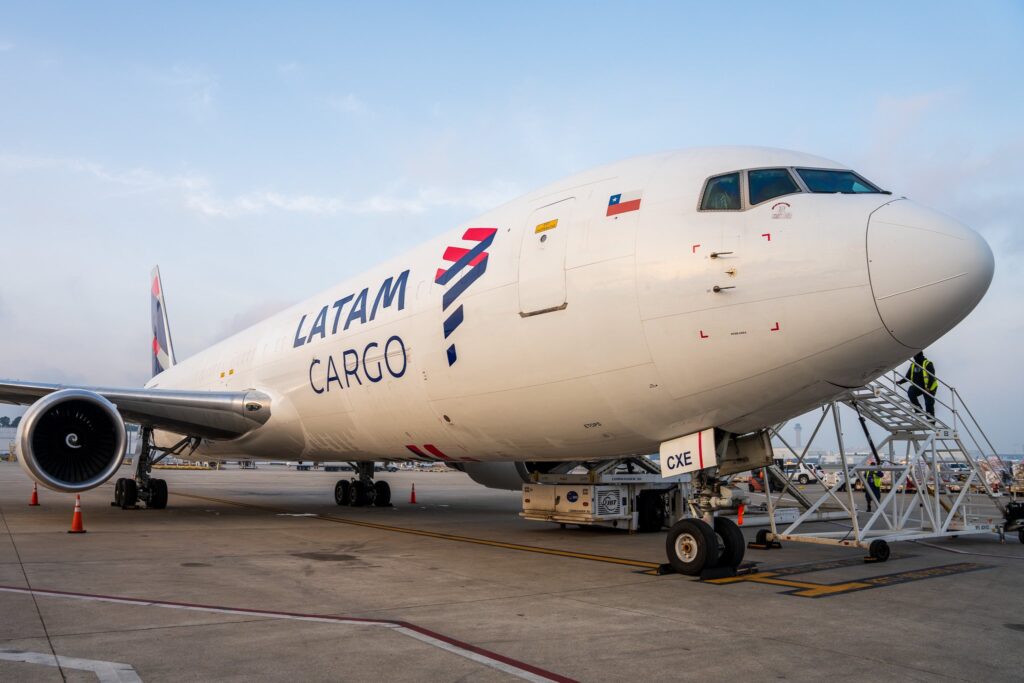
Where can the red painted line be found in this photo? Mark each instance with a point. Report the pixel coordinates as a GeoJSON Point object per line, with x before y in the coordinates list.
{"type": "Point", "coordinates": [478, 234]}
{"type": "Point", "coordinates": [440, 274]}
{"type": "Point", "coordinates": [693, 250]}
{"type": "Point", "coordinates": [700, 449]}
{"type": "Point", "coordinates": [434, 450]}
{"type": "Point", "coordinates": [768, 235]}
{"type": "Point", "coordinates": [623, 207]}
{"type": "Point", "coordinates": [523, 666]}
{"type": "Point", "coordinates": [776, 328]}
{"type": "Point", "coordinates": [417, 451]}
{"type": "Point", "coordinates": [702, 335]}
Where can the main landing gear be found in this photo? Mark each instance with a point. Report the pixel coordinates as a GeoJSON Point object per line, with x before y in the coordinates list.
{"type": "Point", "coordinates": [702, 541]}
{"type": "Point", "coordinates": [363, 490]}
{"type": "Point", "coordinates": [152, 492]}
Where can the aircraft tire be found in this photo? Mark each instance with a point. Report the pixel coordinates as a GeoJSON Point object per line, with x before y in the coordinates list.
{"type": "Point", "coordinates": [650, 505]}
{"type": "Point", "coordinates": [118, 491]}
{"type": "Point", "coordinates": [879, 550]}
{"type": "Point", "coordinates": [361, 495]}
{"type": "Point", "coordinates": [129, 494]}
{"type": "Point", "coordinates": [733, 545]}
{"type": "Point", "coordinates": [157, 494]}
{"type": "Point", "coordinates": [382, 491]}
{"type": "Point", "coordinates": [343, 492]}
{"type": "Point", "coordinates": [691, 547]}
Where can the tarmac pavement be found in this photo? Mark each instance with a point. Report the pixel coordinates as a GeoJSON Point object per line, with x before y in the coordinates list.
{"type": "Point", "coordinates": [258, 575]}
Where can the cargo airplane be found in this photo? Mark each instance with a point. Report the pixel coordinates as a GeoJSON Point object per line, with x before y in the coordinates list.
{"type": "Point", "coordinates": [601, 316]}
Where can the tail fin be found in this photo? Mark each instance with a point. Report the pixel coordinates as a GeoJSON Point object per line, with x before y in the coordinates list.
{"type": "Point", "coordinates": [163, 349]}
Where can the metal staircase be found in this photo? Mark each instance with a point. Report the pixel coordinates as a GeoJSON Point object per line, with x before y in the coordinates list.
{"type": "Point", "coordinates": [943, 476]}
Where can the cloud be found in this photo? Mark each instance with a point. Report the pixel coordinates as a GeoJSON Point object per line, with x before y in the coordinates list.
{"type": "Point", "coordinates": [198, 194]}
{"type": "Point", "coordinates": [418, 202]}
{"type": "Point", "coordinates": [349, 104]}
{"type": "Point", "coordinates": [194, 87]}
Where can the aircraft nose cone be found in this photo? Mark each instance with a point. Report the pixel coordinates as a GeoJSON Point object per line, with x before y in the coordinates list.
{"type": "Point", "coordinates": [927, 270]}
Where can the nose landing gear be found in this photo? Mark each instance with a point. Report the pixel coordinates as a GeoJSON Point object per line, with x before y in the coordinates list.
{"type": "Point", "coordinates": [702, 541]}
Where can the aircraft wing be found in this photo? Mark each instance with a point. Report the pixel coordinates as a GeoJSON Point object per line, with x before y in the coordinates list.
{"type": "Point", "coordinates": [208, 414]}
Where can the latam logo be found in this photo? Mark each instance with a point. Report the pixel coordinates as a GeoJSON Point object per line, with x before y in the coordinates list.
{"type": "Point", "coordinates": [473, 261]}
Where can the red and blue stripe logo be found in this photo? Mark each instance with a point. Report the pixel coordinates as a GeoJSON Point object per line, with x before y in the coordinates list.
{"type": "Point", "coordinates": [467, 264]}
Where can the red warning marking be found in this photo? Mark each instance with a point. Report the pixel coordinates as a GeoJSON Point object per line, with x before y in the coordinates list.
{"type": "Point", "coordinates": [418, 452]}
{"type": "Point", "coordinates": [768, 235]}
{"type": "Point", "coordinates": [694, 249]}
{"type": "Point", "coordinates": [700, 449]}
{"type": "Point", "coordinates": [434, 450]}
{"type": "Point", "coordinates": [702, 335]}
{"type": "Point", "coordinates": [776, 328]}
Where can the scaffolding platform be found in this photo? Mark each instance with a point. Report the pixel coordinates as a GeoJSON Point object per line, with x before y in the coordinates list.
{"type": "Point", "coordinates": [944, 478]}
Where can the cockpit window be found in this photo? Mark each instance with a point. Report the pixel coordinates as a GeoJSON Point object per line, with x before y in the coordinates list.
{"type": "Point", "coordinates": [722, 193]}
{"type": "Point", "coordinates": [830, 181]}
{"type": "Point", "coordinates": [768, 183]}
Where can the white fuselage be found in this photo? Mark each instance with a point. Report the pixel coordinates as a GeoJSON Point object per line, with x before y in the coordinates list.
{"type": "Point", "coordinates": [602, 335]}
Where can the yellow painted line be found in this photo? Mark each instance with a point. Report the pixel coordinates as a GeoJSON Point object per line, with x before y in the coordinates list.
{"type": "Point", "coordinates": [550, 225]}
{"type": "Point", "coordinates": [807, 589]}
{"type": "Point", "coordinates": [442, 536]}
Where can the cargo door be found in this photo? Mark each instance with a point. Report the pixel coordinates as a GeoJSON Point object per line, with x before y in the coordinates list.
{"type": "Point", "coordinates": [542, 258]}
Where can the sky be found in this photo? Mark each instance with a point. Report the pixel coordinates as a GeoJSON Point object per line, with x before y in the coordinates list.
{"type": "Point", "coordinates": [261, 152]}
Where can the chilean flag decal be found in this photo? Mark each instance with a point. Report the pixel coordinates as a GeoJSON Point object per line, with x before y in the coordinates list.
{"type": "Point", "coordinates": [623, 202]}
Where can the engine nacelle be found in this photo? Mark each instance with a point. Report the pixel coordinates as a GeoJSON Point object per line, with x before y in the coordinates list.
{"type": "Point", "coordinates": [509, 476]}
{"type": "Point", "coordinates": [71, 440]}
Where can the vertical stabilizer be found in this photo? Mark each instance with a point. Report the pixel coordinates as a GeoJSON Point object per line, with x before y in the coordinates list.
{"type": "Point", "coordinates": [163, 349]}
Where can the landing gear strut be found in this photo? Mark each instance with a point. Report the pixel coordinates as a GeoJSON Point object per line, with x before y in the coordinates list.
{"type": "Point", "coordinates": [362, 490]}
{"type": "Point", "coordinates": [703, 541]}
{"type": "Point", "coordinates": [152, 492]}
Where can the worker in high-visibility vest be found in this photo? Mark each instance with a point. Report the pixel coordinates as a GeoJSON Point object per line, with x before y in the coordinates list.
{"type": "Point", "coordinates": [923, 382]}
{"type": "Point", "coordinates": [874, 486]}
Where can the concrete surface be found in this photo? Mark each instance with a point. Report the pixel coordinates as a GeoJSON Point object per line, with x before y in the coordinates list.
{"type": "Point", "coordinates": [578, 618]}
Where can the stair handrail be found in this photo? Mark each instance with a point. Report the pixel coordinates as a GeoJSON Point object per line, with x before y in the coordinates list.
{"type": "Point", "coordinates": [894, 375]}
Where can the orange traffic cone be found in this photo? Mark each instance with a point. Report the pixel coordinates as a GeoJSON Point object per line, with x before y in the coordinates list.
{"type": "Point", "coordinates": [739, 514]}
{"type": "Point", "coordinates": [34, 500]}
{"type": "Point", "coordinates": [412, 496]}
{"type": "Point", "coordinates": [76, 519]}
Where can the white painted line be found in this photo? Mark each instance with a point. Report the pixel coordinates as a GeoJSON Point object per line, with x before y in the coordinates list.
{"type": "Point", "coordinates": [487, 658]}
{"type": "Point", "coordinates": [106, 672]}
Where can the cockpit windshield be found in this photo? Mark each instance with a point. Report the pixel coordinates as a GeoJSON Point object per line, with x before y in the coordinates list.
{"type": "Point", "coordinates": [831, 181]}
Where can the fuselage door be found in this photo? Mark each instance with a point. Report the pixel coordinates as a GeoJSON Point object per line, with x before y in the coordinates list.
{"type": "Point", "coordinates": [542, 258]}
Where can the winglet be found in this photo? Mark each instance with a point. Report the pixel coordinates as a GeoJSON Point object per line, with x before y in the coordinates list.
{"type": "Point", "coordinates": [163, 349]}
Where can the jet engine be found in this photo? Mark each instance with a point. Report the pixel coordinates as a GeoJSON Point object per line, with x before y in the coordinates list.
{"type": "Point", "coordinates": [71, 440]}
{"type": "Point", "coordinates": [509, 476]}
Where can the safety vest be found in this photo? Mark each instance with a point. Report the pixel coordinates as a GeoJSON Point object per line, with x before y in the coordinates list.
{"type": "Point", "coordinates": [929, 381]}
{"type": "Point", "coordinates": [876, 478]}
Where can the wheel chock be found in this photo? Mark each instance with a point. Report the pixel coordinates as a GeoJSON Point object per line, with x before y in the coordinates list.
{"type": "Point", "coordinates": [768, 545]}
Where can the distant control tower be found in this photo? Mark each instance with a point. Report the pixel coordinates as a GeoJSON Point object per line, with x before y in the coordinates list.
{"type": "Point", "coordinates": [799, 437]}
